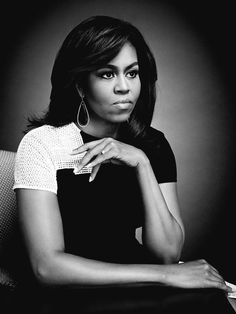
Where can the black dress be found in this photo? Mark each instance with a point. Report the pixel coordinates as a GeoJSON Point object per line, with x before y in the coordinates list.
{"type": "Point", "coordinates": [99, 222]}
{"type": "Point", "coordinates": [100, 217]}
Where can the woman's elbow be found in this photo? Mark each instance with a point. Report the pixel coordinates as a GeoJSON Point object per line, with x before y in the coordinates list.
{"type": "Point", "coordinates": [45, 271]}
{"type": "Point", "coordinates": [42, 273]}
{"type": "Point", "coordinates": [172, 256]}
{"type": "Point", "coordinates": [173, 251]}
{"type": "Point", "coordinates": [168, 254]}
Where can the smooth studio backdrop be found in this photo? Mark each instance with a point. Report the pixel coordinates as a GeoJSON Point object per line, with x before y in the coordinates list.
{"type": "Point", "coordinates": [193, 46]}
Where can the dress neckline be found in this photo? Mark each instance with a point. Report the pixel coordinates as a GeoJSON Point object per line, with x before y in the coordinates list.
{"type": "Point", "coordinates": [84, 134]}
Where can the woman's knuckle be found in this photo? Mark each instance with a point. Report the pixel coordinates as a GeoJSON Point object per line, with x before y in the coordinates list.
{"type": "Point", "coordinates": [220, 285]}
{"type": "Point", "coordinates": [203, 261]}
{"type": "Point", "coordinates": [206, 274]}
{"type": "Point", "coordinates": [206, 267]}
{"type": "Point", "coordinates": [89, 155]}
{"type": "Point", "coordinates": [82, 160]}
{"type": "Point", "coordinates": [109, 139]}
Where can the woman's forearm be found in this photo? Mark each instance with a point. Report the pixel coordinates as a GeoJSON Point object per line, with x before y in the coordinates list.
{"type": "Point", "coordinates": [162, 233]}
{"type": "Point", "coordinates": [66, 269]}
{"type": "Point", "coordinates": [63, 269]}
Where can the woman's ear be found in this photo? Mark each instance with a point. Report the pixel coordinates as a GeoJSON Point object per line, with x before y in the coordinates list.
{"type": "Point", "coordinates": [80, 91]}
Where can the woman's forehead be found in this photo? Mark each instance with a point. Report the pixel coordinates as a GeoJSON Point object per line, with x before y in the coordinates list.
{"type": "Point", "coordinates": [126, 56]}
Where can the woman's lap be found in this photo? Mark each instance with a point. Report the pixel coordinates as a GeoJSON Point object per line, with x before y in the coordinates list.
{"type": "Point", "coordinates": [138, 299]}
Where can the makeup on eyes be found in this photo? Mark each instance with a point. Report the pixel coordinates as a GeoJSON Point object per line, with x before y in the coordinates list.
{"type": "Point", "coordinates": [111, 70]}
{"type": "Point", "coordinates": [108, 74]}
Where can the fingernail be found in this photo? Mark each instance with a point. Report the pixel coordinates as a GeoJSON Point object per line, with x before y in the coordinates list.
{"type": "Point", "coordinates": [90, 179]}
{"type": "Point", "coordinates": [89, 165]}
{"type": "Point", "coordinates": [76, 170]}
{"type": "Point", "coordinates": [74, 152]}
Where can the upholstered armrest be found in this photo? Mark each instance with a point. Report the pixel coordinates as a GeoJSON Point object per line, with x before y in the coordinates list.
{"type": "Point", "coordinates": [6, 280]}
{"type": "Point", "coordinates": [7, 216]}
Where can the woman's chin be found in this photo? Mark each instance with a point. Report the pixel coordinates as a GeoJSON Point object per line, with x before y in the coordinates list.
{"type": "Point", "coordinates": [120, 118]}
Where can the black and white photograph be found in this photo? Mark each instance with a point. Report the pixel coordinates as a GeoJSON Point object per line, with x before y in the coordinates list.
{"type": "Point", "coordinates": [117, 148]}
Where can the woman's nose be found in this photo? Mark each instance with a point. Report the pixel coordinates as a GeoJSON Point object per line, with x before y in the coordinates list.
{"type": "Point", "coordinates": [121, 86]}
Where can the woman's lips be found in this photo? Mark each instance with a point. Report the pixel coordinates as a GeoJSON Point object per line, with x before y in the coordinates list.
{"type": "Point", "coordinates": [126, 104]}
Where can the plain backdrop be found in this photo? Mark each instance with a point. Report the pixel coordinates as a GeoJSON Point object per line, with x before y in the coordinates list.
{"type": "Point", "coordinates": [193, 43]}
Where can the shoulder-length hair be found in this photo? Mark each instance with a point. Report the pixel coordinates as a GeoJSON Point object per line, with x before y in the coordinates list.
{"type": "Point", "coordinates": [92, 44]}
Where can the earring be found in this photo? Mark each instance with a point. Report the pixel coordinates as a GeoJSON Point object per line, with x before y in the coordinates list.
{"type": "Point", "coordinates": [83, 115]}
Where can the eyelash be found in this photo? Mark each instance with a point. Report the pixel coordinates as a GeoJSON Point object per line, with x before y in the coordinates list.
{"type": "Point", "coordinates": [102, 75]}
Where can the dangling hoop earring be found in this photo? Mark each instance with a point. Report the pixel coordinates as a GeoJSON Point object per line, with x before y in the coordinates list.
{"type": "Point", "coordinates": [82, 114]}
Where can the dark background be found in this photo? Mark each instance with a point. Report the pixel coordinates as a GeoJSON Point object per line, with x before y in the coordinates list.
{"type": "Point", "coordinates": [194, 43]}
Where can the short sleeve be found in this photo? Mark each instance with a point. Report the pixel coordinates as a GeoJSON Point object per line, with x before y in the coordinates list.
{"type": "Point", "coordinates": [161, 157]}
{"type": "Point", "coordinates": [34, 168]}
{"type": "Point", "coordinates": [166, 171]}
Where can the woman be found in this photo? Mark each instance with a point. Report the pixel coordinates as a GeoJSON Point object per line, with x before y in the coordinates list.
{"type": "Point", "coordinates": [92, 171]}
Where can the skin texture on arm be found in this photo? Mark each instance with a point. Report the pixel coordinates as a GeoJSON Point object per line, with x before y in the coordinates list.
{"type": "Point", "coordinates": [41, 225]}
{"type": "Point", "coordinates": [163, 231]}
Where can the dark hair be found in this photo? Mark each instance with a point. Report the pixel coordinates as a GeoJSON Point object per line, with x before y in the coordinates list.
{"type": "Point", "coordinates": [91, 44]}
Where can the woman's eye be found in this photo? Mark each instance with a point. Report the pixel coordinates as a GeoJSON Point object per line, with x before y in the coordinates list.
{"type": "Point", "coordinates": [107, 75]}
{"type": "Point", "coordinates": [132, 74]}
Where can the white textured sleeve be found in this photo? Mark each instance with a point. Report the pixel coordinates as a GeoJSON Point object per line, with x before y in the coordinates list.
{"type": "Point", "coordinates": [34, 168]}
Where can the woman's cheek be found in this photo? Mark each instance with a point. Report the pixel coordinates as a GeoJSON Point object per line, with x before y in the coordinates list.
{"type": "Point", "coordinates": [101, 92]}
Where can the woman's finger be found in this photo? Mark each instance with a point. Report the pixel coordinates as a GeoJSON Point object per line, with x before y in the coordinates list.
{"type": "Point", "coordinates": [108, 147]}
{"type": "Point", "coordinates": [103, 157]}
{"type": "Point", "coordinates": [220, 284]}
{"type": "Point", "coordinates": [90, 154]}
{"type": "Point", "coordinates": [85, 147]}
{"type": "Point", "coordinates": [215, 269]}
{"type": "Point", "coordinates": [98, 150]}
{"type": "Point", "coordinates": [213, 272]}
{"type": "Point", "coordinates": [94, 172]}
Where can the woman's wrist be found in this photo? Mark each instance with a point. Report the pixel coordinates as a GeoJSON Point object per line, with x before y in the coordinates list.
{"type": "Point", "coordinates": [151, 273]}
{"type": "Point", "coordinates": [143, 160]}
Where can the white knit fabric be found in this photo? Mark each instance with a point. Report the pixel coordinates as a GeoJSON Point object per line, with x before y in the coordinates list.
{"type": "Point", "coordinates": [42, 152]}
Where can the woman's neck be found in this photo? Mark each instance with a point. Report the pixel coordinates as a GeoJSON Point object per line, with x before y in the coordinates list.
{"type": "Point", "coordinates": [101, 130]}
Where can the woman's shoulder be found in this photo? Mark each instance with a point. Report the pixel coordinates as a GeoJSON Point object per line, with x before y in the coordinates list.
{"type": "Point", "coordinates": [154, 136]}
{"type": "Point", "coordinates": [35, 143]}
{"type": "Point", "coordinates": [47, 135]}
{"type": "Point", "coordinates": [156, 141]}
{"type": "Point", "coordinates": [161, 155]}
{"type": "Point", "coordinates": [155, 133]}
{"type": "Point", "coordinates": [51, 143]}
{"type": "Point", "coordinates": [41, 132]}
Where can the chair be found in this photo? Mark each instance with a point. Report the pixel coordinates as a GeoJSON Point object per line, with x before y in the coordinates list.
{"type": "Point", "coordinates": [8, 219]}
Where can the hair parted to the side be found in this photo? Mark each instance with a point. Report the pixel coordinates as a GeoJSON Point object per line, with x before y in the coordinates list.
{"type": "Point", "coordinates": [91, 44]}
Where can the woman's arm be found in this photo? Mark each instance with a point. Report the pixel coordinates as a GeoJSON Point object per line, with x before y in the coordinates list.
{"type": "Point", "coordinates": [41, 224]}
{"type": "Point", "coordinates": [163, 231]}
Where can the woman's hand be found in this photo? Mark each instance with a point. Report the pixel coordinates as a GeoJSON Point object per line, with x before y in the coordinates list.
{"type": "Point", "coordinates": [108, 150]}
{"type": "Point", "coordinates": [195, 274]}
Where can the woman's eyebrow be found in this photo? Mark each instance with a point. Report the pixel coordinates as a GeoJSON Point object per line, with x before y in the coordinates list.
{"type": "Point", "coordinates": [115, 68]}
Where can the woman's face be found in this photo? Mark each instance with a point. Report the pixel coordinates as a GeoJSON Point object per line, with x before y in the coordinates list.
{"type": "Point", "coordinates": [113, 90]}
